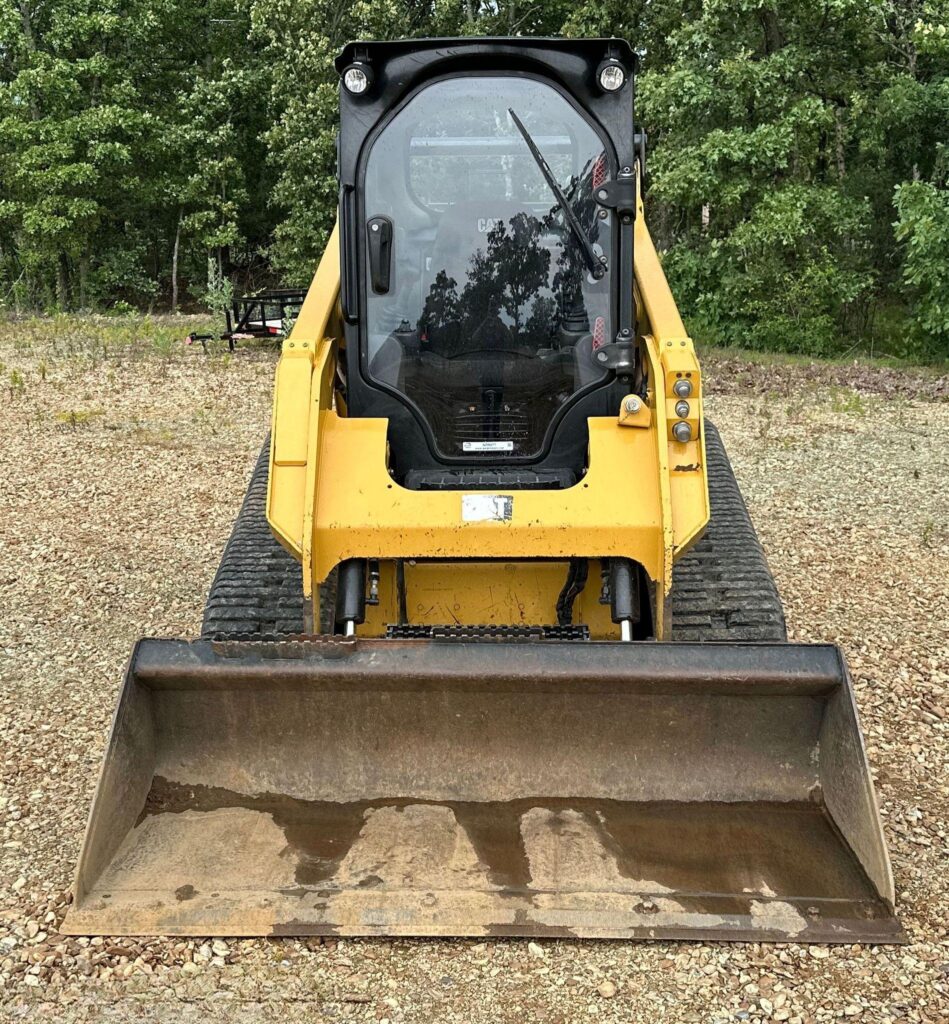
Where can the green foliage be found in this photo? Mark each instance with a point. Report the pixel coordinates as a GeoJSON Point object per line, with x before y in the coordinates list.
{"type": "Point", "coordinates": [780, 131]}
{"type": "Point", "coordinates": [219, 292]}
{"type": "Point", "coordinates": [923, 227]}
{"type": "Point", "coordinates": [94, 338]}
{"type": "Point", "coordinates": [123, 124]}
{"type": "Point", "coordinates": [798, 184]}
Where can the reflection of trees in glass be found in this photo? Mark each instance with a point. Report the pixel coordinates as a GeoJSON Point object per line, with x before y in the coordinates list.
{"type": "Point", "coordinates": [508, 273]}
{"type": "Point", "coordinates": [545, 315]}
{"type": "Point", "coordinates": [507, 276]}
{"type": "Point", "coordinates": [441, 309]}
{"type": "Point", "coordinates": [511, 275]}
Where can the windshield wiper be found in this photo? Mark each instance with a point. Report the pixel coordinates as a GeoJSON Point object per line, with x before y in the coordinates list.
{"type": "Point", "coordinates": [593, 261]}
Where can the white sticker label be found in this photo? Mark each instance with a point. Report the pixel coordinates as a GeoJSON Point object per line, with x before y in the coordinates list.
{"type": "Point", "coordinates": [487, 446]}
{"type": "Point", "coordinates": [487, 508]}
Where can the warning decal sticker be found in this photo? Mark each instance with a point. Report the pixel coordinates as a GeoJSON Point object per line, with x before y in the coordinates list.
{"type": "Point", "coordinates": [487, 508]}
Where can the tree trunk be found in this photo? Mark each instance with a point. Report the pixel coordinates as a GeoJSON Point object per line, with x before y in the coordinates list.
{"type": "Point", "coordinates": [174, 263]}
{"type": "Point", "coordinates": [84, 280]}
{"type": "Point", "coordinates": [839, 142]}
{"type": "Point", "coordinates": [26, 23]}
{"type": "Point", "coordinates": [62, 281]}
{"type": "Point", "coordinates": [30, 43]}
{"type": "Point", "coordinates": [773, 33]}
{"type": "Point", "coordinates": [512, 15]}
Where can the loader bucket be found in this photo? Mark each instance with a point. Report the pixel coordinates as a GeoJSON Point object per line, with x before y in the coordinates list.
{"type": "Point", "coordinates": [418, 787]}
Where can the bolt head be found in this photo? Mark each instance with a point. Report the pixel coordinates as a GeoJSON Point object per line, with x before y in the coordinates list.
{"type": "Point", "coordinates": [682, 432]}
{"type": "Point", "coordinates": [682, 410]}
{"type": "Point", "coordinates": [632, 404]}
{"type": "Point", "coordinates": [601, 356]}
{"type": "Point", "coordinates": [682, 388]}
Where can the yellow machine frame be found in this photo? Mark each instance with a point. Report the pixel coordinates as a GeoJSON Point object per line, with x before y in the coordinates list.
{"type": "Point", "coordinates": [330, 498]}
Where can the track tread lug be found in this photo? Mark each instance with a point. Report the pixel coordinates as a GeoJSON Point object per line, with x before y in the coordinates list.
{"type": "Point", "coordinates": [723, 589]}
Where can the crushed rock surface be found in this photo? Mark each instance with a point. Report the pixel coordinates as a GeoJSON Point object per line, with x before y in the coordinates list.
{"type": "Point", "coordinates": [120, 480]}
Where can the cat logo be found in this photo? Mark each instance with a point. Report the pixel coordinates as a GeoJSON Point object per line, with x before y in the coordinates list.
{"type": "Point", "coordinates": [486, 224]}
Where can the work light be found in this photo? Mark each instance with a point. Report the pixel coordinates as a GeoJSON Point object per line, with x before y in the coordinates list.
{"type": "Point", "coordinates": [356, 78]}
{"type": "Point", "coordinates": [611, 76]}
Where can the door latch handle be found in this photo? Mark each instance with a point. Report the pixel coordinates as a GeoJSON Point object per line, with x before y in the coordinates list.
{"type": "Point", "coordinates": [379, 230]}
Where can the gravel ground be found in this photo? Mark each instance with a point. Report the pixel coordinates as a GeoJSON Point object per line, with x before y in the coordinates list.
{"type": "Point", "coordinates": [120, 478]}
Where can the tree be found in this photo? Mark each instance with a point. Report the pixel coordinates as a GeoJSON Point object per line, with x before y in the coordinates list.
{"type": "Point", "coordinates": [124, 125]}
{"type": "Point", "coordinates": [923, 227]}
{"type": "Point", "coordinates": [70, 125]}
{"type": "Point", "coordinates": [798, 184]}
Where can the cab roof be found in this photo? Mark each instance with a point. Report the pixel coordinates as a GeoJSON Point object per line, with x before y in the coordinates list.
{"type": "Point", "coordinates": [587, 49]}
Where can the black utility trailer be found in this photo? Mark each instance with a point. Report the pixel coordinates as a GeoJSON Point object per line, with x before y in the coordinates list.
{"type": "Point", "coordinates": [266, 315]}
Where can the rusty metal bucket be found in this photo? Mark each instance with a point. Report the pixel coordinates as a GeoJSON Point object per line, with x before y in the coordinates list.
{"type": "Point", "coordinates": [417, 787]}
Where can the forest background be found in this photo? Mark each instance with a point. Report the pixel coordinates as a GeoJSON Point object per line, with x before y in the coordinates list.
{"type": "Point", "coordinates": [161, 154]}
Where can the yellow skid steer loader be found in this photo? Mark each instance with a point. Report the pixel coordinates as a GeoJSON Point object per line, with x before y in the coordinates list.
{"type": "Point", "coordinates": [493, 649]}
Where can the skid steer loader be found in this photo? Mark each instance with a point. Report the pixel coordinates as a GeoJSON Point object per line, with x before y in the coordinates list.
{"type": "Point", "coordinates": [516, 665]}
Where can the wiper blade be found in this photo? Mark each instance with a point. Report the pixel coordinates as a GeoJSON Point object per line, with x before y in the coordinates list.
{"type": "Point", "coordinates": [586, 246]}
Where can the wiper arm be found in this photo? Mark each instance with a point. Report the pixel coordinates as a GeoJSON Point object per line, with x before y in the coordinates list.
{"type": "Point", "coordinates": [593, 262]}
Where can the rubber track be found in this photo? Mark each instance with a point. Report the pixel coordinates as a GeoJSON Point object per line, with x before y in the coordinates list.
{"type": "Point", "coordinates": [258, 589]}
{"type": "Point", "coordinates": [722, 589]}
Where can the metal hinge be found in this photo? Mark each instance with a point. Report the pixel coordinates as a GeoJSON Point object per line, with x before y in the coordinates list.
{"type": "Point", "coordinates": [619, 195]}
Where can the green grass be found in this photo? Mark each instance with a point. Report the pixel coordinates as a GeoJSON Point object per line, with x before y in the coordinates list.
{"type": "Point", "coordinates": [99, 337]}
{"type": "Point", "coordinates": [76, 418]}
{"type": "Point", "coordinates": [851, 403]}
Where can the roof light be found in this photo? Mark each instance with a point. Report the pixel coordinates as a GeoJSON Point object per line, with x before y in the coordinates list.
{"type": "Point", "coordinates": [357, 78]}
{"type": "Point", "coordinates": [611, 76]}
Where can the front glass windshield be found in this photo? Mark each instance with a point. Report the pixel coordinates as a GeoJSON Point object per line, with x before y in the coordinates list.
{"type": "Point", "coordinates": [492, 313]}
